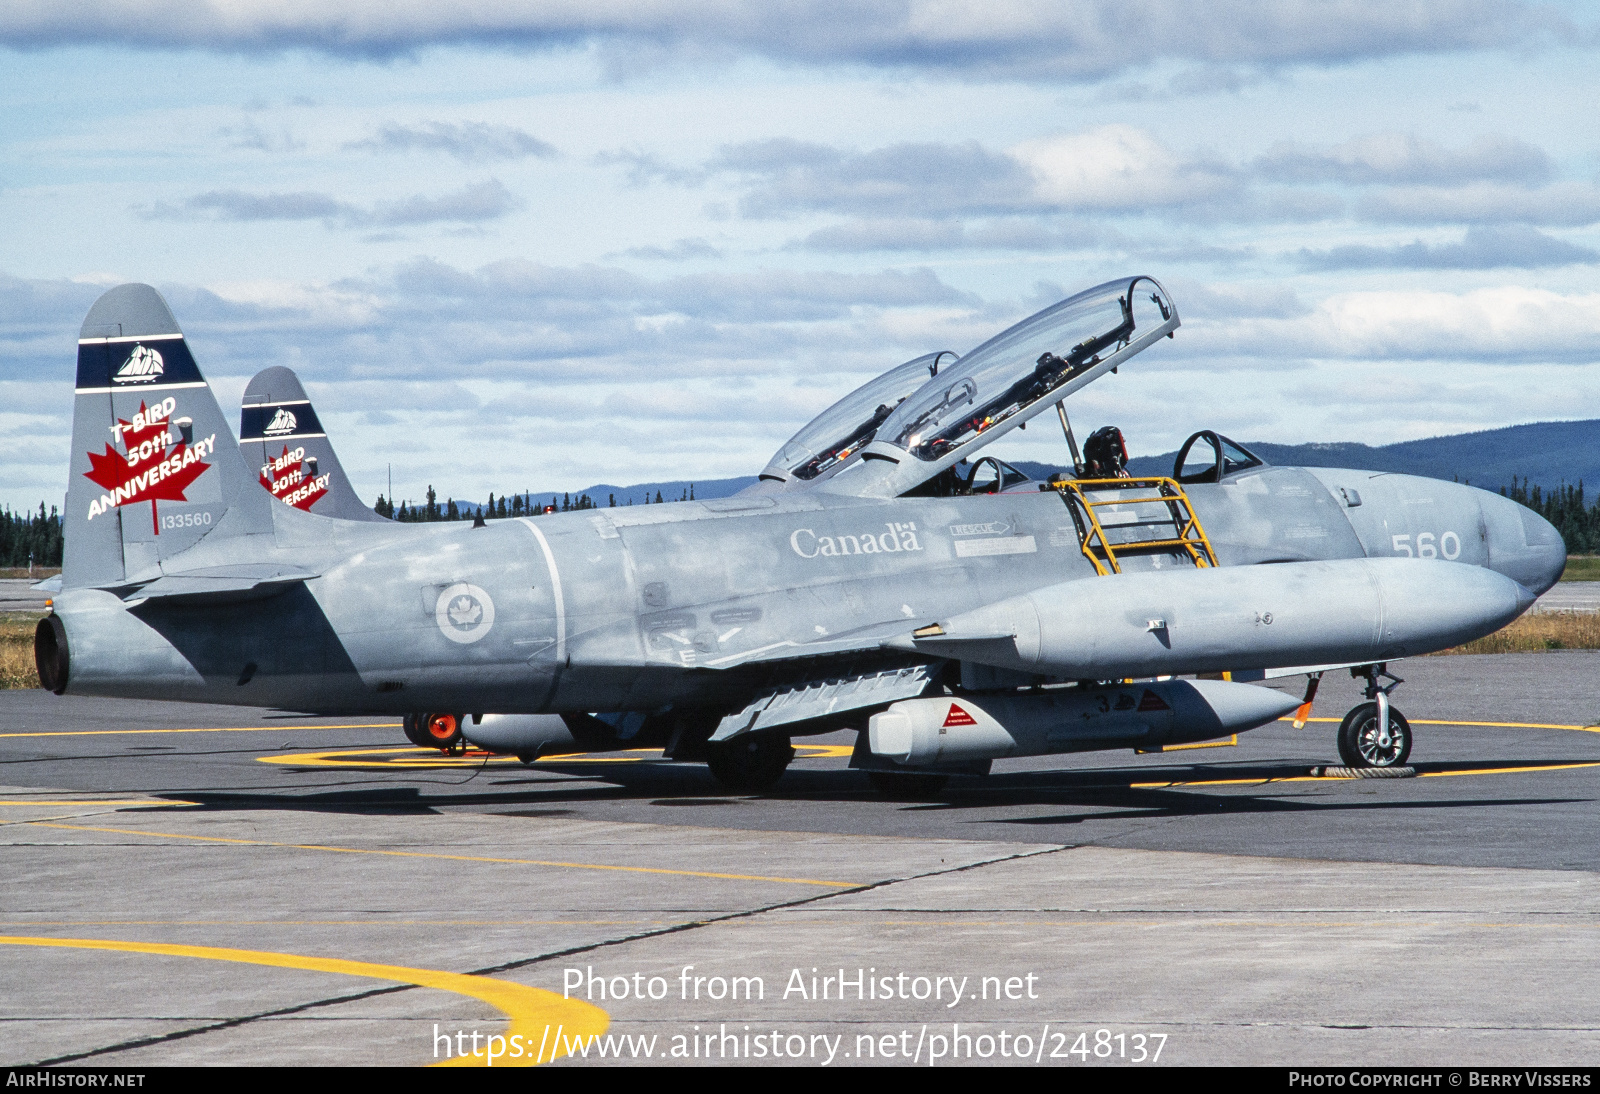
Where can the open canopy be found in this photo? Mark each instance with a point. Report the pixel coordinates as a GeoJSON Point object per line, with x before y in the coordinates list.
{"type": "Point", "coordinates": [1010, 378]}
{"type": "Point", "coordinates": [1019, 367]}
{"type": "Point", "coordinates": [839, 432]}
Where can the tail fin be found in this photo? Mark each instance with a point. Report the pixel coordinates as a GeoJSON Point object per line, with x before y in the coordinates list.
{"type": "Point", "coordinates": [147, 431]}
{"type": "Point", "coordinates": [281, 437]}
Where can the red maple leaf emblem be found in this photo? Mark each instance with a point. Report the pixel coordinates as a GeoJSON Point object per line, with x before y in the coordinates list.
{"type": "Point", "coordinates": [285, 479]}
{"type": "Point", "coordinates": [155, 464]}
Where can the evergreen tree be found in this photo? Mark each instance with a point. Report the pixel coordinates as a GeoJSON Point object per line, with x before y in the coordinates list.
{"type": "Point", "coordinates": [451, 513]}
{"type": "Point", "coordinates": [432, 511]}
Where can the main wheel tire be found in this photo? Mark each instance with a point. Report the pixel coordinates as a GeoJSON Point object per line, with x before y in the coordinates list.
{"type": "Point", "coordinates": [434, 731]}
{"type": "Point", "coordinates": [1361, 744]}
{"type": "Point", "coordinates": [905, 786]}
{"type": "Point", "coordinates": [750, 764]}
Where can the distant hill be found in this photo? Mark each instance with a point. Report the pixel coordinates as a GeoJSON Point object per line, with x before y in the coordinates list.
{"type": "Point", "coordinates": [1547, 454]}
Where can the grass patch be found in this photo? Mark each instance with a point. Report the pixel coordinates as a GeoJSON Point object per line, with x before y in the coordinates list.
{"type": "Point", "coordinates": [1537, 632]}
{"type": "Point", "coordinates": [16, 650]}
{"type": "Point", "coordinates": [1582, 568]}
{"type": "Point", "coordinates": [39, 572]}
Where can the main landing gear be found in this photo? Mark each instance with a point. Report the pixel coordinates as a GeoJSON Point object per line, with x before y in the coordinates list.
{"type": "Point", "coordinates": [1374, 733]}
{"type": "Point", "coordinates": [441, 731]}
{"type": "Point", "coordinates": [750, 764]}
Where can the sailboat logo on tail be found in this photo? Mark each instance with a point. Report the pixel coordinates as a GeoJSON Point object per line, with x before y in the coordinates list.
{"type": "Point", "coordinates": [143, 366]}
{"type": "Point", "coordinates": [282, 422]}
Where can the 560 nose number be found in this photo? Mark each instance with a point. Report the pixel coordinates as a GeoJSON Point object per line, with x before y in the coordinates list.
{"type": "Point", "coordinates": [1446, 546]}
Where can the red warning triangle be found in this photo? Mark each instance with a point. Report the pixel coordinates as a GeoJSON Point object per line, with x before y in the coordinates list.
{"type": "Point", "coordinates": [1152, 701]}
{"type": "Point", "coordinates": [959, 717]}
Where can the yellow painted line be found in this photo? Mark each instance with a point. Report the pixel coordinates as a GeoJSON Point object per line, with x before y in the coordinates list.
{"type": "Point", "coordinates": [413, 757]}
{"type": "Point", "coordinates": [130, 801]}
{"type": "Point", "coordinates": [1505, 770]}
{"type": "Point", "coordinates": [1236, 782]}
{"type": "Point", "coordinates": [451, 858]}
{"type": "Point", "coordinates": [533, 1012]}
{"type": "Point", "coordinates": [1341, 779]}
{"type": "Point", "coordinates": [823, 752]}
{"type": "Point", "coordinates": [1491, 725]}
{"type": "Point", "coordinates": [338, 923]}
{"type": "Point", "coordinates": [217, 729]}
{"type": "Point", "coordinates": [424, 758]}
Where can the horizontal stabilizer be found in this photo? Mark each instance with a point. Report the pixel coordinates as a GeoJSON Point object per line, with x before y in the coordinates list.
{"type": "Point", "coordinates": [218, 584]}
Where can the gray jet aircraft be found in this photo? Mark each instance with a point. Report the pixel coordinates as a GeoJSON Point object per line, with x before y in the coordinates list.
{"type": "Point", "coordinates": [949, 621]}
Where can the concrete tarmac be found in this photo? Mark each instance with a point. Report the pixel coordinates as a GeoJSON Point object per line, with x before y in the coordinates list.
{"type": "Point", "coordinates": [215, 885]}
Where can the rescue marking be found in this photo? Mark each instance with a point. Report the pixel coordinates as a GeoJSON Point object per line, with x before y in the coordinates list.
{"type": "Point", "coordinates": [1006, 545]}
{"type": "Point", "coordinates": [530, 1011]}
{"type": "Point", "coordinates": [449, 858]}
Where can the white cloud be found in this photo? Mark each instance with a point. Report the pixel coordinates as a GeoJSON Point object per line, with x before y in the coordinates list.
{"type": "Point", "coordinates": [1405, 158]}
{"type": "Point", "coordinates": [1070, 39]}
{"type": "Point", "coordinates": [1569, 204]}
{"type": "Point", "coordinates": [1117, 167]}
{"type": "Point", "coordinates": [1507, 324]}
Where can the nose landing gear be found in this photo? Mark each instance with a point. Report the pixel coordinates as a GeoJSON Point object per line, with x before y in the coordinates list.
{"type": "Point", "coordinates": [1374, 733]}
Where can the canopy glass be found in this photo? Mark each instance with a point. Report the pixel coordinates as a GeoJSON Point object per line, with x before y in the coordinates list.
{"type": "Point", "coordinates": [840, 431]}
{"type": "Point", "coordinates": [1024, 365]}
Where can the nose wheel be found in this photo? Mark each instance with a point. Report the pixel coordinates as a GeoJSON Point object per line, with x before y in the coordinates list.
{"type": "Point", "coordinates": [1374, 733]}
{"type": "Point", "coordinates": [1365, 742]}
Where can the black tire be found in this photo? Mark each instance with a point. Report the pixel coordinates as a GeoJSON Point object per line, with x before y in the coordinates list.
{"type": "Point", "coordinates": [905, 786]}
{"type": "Point", "coordinates": [527, 757]}
{"type": "Point", "coordinates": [750, 764]}
{"type": "Point", "coordinates": [1359, 741]}
{"type": "Point", "coordinates": [441, 731]}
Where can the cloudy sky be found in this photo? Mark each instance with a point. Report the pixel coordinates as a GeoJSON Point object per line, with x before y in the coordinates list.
{"type": "Point", "coordinates": [511, 244]}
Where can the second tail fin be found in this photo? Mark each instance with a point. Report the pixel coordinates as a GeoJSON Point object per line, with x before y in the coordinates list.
{"type": "Point", "coordinates": [282, 438]}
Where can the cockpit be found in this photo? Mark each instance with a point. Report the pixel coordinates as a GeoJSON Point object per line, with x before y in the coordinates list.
{"type": "Point", "coordinates": [988, 475]}
{"type": "Point", "coordinates": [1211, 457]}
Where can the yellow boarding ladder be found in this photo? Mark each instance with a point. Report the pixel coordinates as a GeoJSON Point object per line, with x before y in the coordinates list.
{"type": "Point", "coordinates": [1178, 532]}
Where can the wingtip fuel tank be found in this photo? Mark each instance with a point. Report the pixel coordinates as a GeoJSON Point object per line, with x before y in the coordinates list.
{"type": "Point", "coordinates": [1169, 622]}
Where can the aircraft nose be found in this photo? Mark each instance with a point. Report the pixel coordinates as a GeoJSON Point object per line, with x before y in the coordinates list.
{"type": "Point", "coordinates": [1522, 544]}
